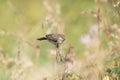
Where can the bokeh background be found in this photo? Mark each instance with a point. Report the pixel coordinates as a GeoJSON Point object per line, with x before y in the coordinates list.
{"type": "Point", "coordinates": [90, 26]}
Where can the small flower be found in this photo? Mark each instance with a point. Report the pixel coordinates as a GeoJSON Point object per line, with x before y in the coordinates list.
{"type": "Point", "coordinates": [85, 39]}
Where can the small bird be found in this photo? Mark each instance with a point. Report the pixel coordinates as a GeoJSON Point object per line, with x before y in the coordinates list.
{"type": "Point", "coordinates": [55, 39]}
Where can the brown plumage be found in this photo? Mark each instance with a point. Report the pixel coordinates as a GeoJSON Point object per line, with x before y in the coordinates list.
{"type": "Point", "coordinates": [56, 39]}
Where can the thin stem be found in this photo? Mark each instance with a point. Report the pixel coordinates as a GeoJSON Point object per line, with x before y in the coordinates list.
{"type": "Point", "coordinates": [58, 56]}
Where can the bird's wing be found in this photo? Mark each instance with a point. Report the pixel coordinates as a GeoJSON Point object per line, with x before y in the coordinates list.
{"type": "Point", "coordinates": [52, 37]}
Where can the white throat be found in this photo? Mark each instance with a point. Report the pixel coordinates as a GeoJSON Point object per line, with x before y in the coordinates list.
{"type": "Point", "coordinates": [60, 40]}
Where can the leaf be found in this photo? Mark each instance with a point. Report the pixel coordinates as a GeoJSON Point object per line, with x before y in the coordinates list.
{"type": "Point", "coordinates": [115, 70]}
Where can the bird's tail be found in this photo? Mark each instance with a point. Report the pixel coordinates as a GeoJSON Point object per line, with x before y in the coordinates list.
{"type": "Point", "coordinates": [43, 38]}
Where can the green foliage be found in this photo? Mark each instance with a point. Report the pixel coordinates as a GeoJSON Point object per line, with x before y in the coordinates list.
{"type": "Point", "coordinates": [72, 76]}
{"type": "Point", "coordinates": [23, 21]}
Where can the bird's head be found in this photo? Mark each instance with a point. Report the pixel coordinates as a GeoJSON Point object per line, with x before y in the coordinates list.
{"type": "Point", "coordinates": [61, 39]}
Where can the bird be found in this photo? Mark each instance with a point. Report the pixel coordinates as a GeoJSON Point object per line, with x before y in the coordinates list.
{"type": "Point", "coordinates": [55, 39]}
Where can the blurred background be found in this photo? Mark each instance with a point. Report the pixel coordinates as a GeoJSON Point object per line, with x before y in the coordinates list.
{"type": "Point", "coordinates": [91, 27]}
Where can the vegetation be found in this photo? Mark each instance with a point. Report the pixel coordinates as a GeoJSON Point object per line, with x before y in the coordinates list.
{"type": "Point", "coordinates": [91, 50]}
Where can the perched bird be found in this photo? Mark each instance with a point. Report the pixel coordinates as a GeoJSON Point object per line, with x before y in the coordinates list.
{"type": "Point", "coordinates": [56, 39]}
